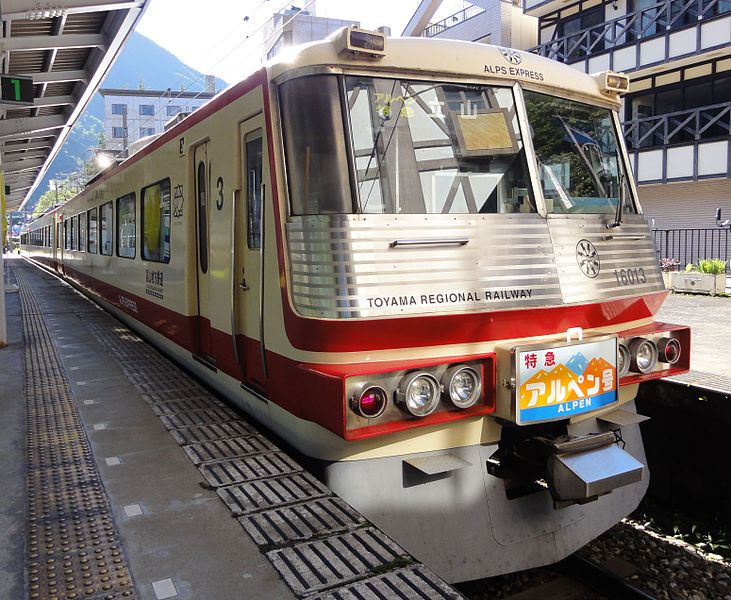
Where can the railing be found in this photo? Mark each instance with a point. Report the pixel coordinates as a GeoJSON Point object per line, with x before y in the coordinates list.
{"type": "Point", "coordinates": [684, 126]}
{"type": "Point", "coordinates": [691, 245]}
{"type": "Point", "coordinates": [468, 12]}
{"type": "Point", "coordinates": [658, 19]}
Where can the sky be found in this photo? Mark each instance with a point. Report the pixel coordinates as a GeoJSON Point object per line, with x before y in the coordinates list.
{"type": "Point", "coordinates": [225, 37]}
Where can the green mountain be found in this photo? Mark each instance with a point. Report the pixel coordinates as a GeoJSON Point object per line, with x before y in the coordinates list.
{"type": "Point", "coordinates": [141, 62]}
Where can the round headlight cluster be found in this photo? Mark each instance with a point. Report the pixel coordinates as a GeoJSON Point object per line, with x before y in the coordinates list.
{"type": "Point", "coordinates": [644, 355]}
{"type": "Point", "coordinates": [463, 386]}
{"type": "Point", "coordinates": [418, 393]}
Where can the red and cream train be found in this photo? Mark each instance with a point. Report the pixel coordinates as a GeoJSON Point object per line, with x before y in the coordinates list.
{"type": "Point", "coordinates": [423, 264]}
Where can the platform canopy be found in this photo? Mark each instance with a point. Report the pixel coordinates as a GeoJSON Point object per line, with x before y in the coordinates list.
{"type": "Point", "coordinates": [54, 54]}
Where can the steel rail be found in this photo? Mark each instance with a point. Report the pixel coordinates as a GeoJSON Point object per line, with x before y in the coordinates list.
{"type": "Point", "coordinates": [600, 580]}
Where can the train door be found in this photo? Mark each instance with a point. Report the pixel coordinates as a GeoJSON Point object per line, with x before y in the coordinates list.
{"type": "Point", "coordinates": [251, 305]}
{"type": "Point", "coordinates": [202, 217]}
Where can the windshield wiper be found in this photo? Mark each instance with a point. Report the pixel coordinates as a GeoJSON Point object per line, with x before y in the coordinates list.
{"type": "Point", "coordinates": [620, 201]}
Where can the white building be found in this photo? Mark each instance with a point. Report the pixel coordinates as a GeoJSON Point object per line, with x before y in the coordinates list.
{"type": "Point", "coordinates": [130, 115]}
{"type": "Point", "coordinates": [295, 26]}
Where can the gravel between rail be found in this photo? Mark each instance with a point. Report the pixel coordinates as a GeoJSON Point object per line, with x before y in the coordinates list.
{"type": "Point", "coordinates": [667, 568]}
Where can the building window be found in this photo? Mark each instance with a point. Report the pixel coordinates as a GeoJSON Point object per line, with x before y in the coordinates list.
{"type": "Point", "coordinates": [91, 217]}
{"type": "Point", "coordinates": [147, 110]}
{"type": "Point", "coordinates": [105, 229]}
{"type": "Point", "coordinates": [156, 222]}
{"type": "Point", "coordinates": [145, 131]}
{"type": "Point", "coordinates": [119, 132]}
{"type": "Point", "coordinates": [174, 110]}
{"type": "Point", "coordinates": [126, 226]}
{"type": "Point", "coordinates": [119, 109]}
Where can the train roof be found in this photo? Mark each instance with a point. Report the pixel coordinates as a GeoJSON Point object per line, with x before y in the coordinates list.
{"type": "Point", "coordinates": [441, 58]}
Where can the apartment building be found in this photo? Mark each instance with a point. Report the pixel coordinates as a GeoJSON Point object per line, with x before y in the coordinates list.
{"type": "Point", "coordinates": [677, 116]}
{"type": "Point", "coordinates": [130, 115]}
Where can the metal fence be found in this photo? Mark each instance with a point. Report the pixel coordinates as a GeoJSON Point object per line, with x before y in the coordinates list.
{"type": "Point", "coordinates": [691, 245]}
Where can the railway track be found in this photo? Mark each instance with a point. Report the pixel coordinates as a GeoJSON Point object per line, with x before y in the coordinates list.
{"type": "Point", "coordinates": [601, 580]}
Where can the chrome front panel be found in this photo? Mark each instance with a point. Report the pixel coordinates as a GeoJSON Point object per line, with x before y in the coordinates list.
{"type": "Point", "coordinates": [625, 257]}
{"type": "Point", "coordinates": [346, 266]}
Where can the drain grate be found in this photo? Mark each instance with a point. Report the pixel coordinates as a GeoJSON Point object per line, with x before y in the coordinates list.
{"type": "Point", "coordinates": [239, 470]}
{"type": "Point", "coordinates": [229, 448]}
{"type": "Point", "coordinates": [198, 417]}
{"type": "Point", "coordinates": [179, 406]}
{"type": "Point", "coordinates": [301, 522]}
{"type": "Point", "coordinates": [263, 494]}
{"type": "Point", "coordinates": [209, 433]}
{"type": "Point", "coordinates": [337, 560]}
{"type": "Point", "coordinates": [73, 548]}
{"type": "Point", "coordinates": [411, 583]}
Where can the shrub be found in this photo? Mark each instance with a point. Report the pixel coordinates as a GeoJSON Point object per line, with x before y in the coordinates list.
{"type": "Point", "coordinates": [714, 266]}
{"type": "Point", "coordinates": [669, 264]}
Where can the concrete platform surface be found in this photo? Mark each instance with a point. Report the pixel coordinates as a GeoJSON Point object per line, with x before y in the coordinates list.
{"type": "Point", "coordinates": [709, 318]}
{"type": "Point", "coordinates": [126, 478]}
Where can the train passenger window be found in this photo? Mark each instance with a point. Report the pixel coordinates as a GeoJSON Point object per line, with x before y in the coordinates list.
{"type": "Point", "coordinates": [82, 232]}
{"type": "Point", "coordinates": [126, 226]}
{"type": "Point", "coordinates": [202, 199]}
{"type": "Point", "coordinates": [315, 149]}
{"type": "Point", "coordinates": [73, 228]}
{"type": "Point", "coordinates": [253, 186]}
{"type": "Point", "coordinates": [59, 228]}
{"type": "Point", "coordinates": [91, 239]}
{"type": "Point", "coordinates": [66, 232]}
{"type": "Point", "coordinates": [105, 229]}
{"type": "Point", "coordinates": [156, 222]}
{"type": "Point", "coordinates": [580, 163]}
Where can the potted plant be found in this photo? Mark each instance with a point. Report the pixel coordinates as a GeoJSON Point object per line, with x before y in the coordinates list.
{"type": "Point", "coordinates": [667, 266]}
{"type": "Point", "coordinates": [707, 276]}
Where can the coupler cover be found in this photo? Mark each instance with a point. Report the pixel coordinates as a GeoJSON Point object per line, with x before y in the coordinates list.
{"type": "Point", "coordinates": [588, 473]}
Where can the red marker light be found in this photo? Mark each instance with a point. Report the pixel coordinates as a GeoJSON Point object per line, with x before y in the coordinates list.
{"type": "Point", "coordinates": [372, 402]}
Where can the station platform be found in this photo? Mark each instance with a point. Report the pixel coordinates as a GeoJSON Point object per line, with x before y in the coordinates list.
{"type": "Point", "coordinates": [709, 318]}
{"type": "Point", "coordinates": [124, 478]}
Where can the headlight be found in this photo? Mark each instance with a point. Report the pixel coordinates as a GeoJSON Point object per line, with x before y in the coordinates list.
{"type": "Point", "coordinates": [669, 350]}
{"type": "Point", "coordinates": [624, 361]}
{"type": "Point", "coordinates": [418, 393]}
{"type": "Point", "coordinates": [644, 355]}
{"type": "Point", "coordinates": [463, 386]}
{"type": "Point", "coordinates": [370, 402]}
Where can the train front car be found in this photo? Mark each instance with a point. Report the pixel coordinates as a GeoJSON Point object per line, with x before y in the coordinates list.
{"type": "Point", "coordinates": [468, 288]}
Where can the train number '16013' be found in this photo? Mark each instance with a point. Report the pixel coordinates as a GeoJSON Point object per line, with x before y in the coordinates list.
{"type": "Point", "coordinates": [631, 276]}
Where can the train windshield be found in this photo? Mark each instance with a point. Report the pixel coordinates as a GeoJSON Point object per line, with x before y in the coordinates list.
{"type": "Point", "coordinates": [415, 147]}
{"type": "Point", "coordinates": [580, 167]}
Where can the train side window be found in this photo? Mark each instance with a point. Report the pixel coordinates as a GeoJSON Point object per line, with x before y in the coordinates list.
{"type": "Point", "coordinates": [156, 222]}
{"type": "Point", "coordinates": [253, 186]}
{"type": "Point", "coordinates": [105, 229]}
{"type": "Point", "coordinates": [73, 228]}
{"type": "Point", "coordinates": [91, 239]}
{"type": "Point", "coordinates": [59, 231]}
{"type": "Point", "coordinates": [126, 226]}
{"type": "Point", "coordinates": [82, 232]}
{"type": "Point", "coordinates": [66, 239]}
{"type": "Point", "coordinates": [202, 216]}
